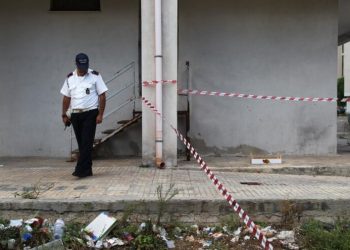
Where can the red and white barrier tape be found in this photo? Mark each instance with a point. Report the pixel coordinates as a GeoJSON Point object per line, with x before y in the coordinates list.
{"type": "Point", "coordinates": [228, 197]}
{"type": "Point", "coordinates": [246, 96]}
{"type": "Point", "coordinates": [154, 82]}
{"type": "Point", "coordinates": [260, 97]}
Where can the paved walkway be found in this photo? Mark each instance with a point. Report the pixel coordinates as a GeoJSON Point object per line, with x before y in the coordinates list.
{"type": "Point", "coordinates": [124, 180]}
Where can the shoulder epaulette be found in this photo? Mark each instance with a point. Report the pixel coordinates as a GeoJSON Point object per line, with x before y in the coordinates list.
{"type": "Point", "coordinates": [95, 72]}
{"type": "Point", "coordinates": [70, 74]}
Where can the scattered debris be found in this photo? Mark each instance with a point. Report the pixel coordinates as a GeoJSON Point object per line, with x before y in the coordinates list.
{"type": "Point", "coordinates": [235, 239]}
{"type": "Point", "coordinates": [114, 242]}
{"type": "Point", "coordinates": [16, 223]}
{"type": "Point", "coordinates": [206, 243]}
{"type": "Point", "coordinates": [190, 238]}
{"type": "Point", "coordinates": [99, 244]}
{"type": "Point", "coordinates": [237, 232]}
{"type": "Point", "coordinates": [23, 234]}
{"type": "Point", "coordinates": [170, 244]}
{"type": "Point", "coordinates": [293, 246]}
{"type": "Point", "coordinates": [100, 226]}
{"type": "Point", "coordinates": [58, 229]}
{"type": "Point", "coordinates": [142, 226]}
{"type": "Point", "coordinates": [268, 231]}
{"type": "Point", "coordinates": [11, 244]}
{"type": "Point", "coordinates": [286, 236]}
{"type": "Point", "coordinates": [217, 236]}
{"type": "Point", "coordinates": [56, 244]}
{"type": "Point", "coordinates": [128, 237]}
{"type": "Point", "coordinates": [266, 160]}
{"type": "Point", "coordinates": [209, 230]}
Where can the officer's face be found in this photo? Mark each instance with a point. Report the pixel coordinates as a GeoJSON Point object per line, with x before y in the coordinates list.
{"type": "Point", "coordinates": [81, 71]}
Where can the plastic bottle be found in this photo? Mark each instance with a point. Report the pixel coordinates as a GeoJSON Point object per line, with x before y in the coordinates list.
{"type": "Point", "coordinates": [58, 229]}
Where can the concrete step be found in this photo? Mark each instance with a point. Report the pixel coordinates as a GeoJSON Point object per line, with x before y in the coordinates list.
{"type": "Point", "coordinates": [343, 124]}
{"type": "Point", "coordinates": [123, 122]}
{"type": "Point", "coordinates": [120, 129]}
{"type": "Point", "coordinates": [108, 131]}
{"type": "Point", "coordinates": [97, 140]}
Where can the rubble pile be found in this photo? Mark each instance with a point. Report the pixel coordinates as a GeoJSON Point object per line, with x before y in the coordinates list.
{"type": "Point", "coordinates": [105, 232]}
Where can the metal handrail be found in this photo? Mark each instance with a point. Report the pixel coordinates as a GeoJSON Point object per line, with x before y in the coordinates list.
{"type": "Point", "coordinates": [119, 91]}
{"type": "Point", "coordinates": [120, 72]}
{"type": "Point", "coordinates": [120, 106]}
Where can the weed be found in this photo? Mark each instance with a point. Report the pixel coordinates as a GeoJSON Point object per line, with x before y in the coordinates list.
{"type": "Point", "coordinates": [129, 210]}
{"type": "Point", "coordinates": [34, 191]}
{"type": "Point", "coordinates": [73, 235]}
{"type": "Point", "coordinates": [262, 224]}
{"type": "Point", "coordinates": [4, 221]}
{"type": "Point", "coordinates": [231, 222]}
{"type": "Point", "coordinates": [149, 242]}
{"type": "Point", "coordinates": [315, 235]}
{"type": "Point", "coordinates": [148, 239]}
{"type": "Point", "coordinates": [219, 245]}
{"type": "Point", "coordinates": [164, 198]}
{"type": "Point", "coordinates": [125, 228]}
{"type": "Point", "coordinates": [290, 213]}
{"type": "Point", "coordinates": [10, 233]}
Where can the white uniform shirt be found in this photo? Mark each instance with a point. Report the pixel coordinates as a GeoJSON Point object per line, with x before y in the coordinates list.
{"type": "Point", "coordinates": [84, 91]}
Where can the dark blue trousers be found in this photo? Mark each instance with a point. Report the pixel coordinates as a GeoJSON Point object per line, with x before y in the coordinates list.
{"type": "Point", "coordinates": [84, 125]}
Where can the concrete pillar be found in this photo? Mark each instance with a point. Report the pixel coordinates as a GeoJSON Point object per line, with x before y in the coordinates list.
{"type": "Point", "coordinates": [170, 56]}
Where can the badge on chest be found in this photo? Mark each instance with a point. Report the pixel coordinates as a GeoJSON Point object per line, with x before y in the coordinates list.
{"type": "Point", "coordinates": [87, 91]}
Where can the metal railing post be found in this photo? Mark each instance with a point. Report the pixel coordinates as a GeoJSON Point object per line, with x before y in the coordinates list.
{"type": "Point", "coordinates": [135, 89]}
{"type": "Point", "coordinates": [188, 152]}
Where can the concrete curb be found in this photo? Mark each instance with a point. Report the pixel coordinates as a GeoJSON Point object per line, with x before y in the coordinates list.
{"type": "Point", "coordinates": [291, 170]}
{"type": "Point", "coordinates": [199, 211]}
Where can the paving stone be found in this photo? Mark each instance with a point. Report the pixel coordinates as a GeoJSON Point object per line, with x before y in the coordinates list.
{"type": "Point", "coordinates": [122, 180]}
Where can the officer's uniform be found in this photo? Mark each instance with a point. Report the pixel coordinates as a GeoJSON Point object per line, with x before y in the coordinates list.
{"type": "Point", "coordinates": [84, 92]}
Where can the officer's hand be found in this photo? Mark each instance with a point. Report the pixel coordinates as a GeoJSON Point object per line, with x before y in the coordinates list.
{"type": "Point", "coordinates": [65, 120]}
{"type": "Point", "coordinates": [99, 119]}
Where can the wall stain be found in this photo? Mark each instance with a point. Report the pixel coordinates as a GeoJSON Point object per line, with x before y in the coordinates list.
{"type": "Point", "coordinates": [242, 149]}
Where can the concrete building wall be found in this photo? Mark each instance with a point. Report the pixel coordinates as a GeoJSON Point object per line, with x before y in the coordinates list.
{"type": "Point", "coordinates": [37, 49]}
{"type": "Point", "coordinates": [272, 47]}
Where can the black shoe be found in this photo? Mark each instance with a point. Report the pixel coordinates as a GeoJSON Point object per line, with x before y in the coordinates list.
{"type": "Point", "coordinates": [81, 175]}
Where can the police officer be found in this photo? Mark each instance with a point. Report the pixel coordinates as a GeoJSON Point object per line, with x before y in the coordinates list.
{"type": "Point", "coordinates": [85, 92]}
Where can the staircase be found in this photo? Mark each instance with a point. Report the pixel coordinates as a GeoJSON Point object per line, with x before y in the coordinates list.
{"type": "Point", "coordinates": [127, 91]}
{"type": "Point", "coordinates": [112, 132]}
